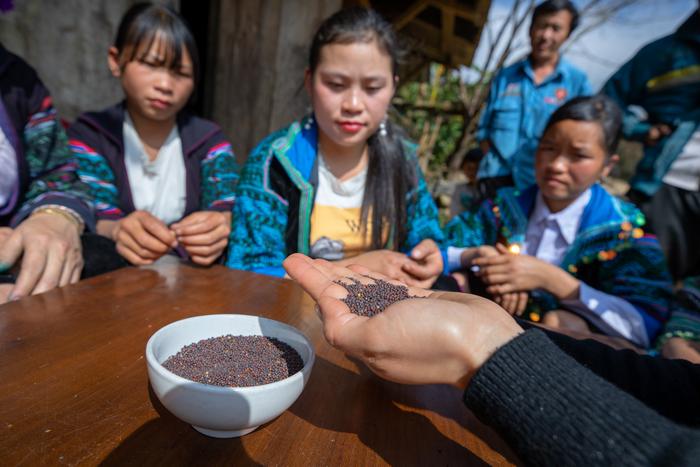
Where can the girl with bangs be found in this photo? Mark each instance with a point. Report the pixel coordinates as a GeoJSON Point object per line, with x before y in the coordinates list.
{"type": "Point", "coordinates": [162, 179]}
{"type": "Point", "coordinates": [341, 184]}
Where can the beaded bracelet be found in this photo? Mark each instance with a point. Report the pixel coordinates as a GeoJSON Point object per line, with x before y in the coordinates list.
{"type": "Point", "coordinates": [64, 211]}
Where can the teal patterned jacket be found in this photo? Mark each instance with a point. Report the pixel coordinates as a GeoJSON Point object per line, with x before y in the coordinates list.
{"type": "Point", "coordinates": [685, 313]}
{"type": "Point", "coordinates": [211, 171]}
{"type": "Point", "coordinates": [611, 252]}
{"type": "Point", "coordinates": [275, 197]}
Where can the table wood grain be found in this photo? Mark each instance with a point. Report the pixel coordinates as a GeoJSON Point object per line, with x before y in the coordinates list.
{"type": "Point", "coordinates": [74, 387]}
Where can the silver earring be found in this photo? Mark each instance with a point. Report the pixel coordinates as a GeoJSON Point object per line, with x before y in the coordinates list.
{"type": "Point", "coordinates": [309, 122]}
{"type": "Point", "coordinates": [382, 128]}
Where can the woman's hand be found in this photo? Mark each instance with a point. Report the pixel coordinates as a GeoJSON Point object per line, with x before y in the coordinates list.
{"type": "Point", "coordinates": [386, 262]}
{"type": "Point", "coordinates": [49, 245]}
{"type": "Point", "coordinates": [483, 251]}
{"type": "Point", "coordinates": [141, 238]}
{"type": "Point", "coordinates": [443, 338]}
{"type": "Point", "coordinates": [426, 265]}
{"type": "Point", "coordinates": [204, 235]}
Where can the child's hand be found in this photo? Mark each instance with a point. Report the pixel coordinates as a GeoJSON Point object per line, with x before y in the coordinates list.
{"type": "Point", "coordinates": [141, 238]}
{"type": "Point", "coordinates": [514, 302]}
{"type": "Point", "coordinates": [204, 235]}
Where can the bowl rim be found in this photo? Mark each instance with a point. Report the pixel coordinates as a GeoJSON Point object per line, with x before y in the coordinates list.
{"type": "Point", "coordinates": [153, 362]}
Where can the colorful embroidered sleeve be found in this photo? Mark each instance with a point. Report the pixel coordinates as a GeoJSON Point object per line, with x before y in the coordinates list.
{"type": "Point", "coordinates": [422, 217]}
{"type": "Point", "coordinates": [52, 167]}
{"type": "Point", "coordinates": [219, 177]}
{"type": "Point", "coordinates": [685, 313]}
{"type": "Point", "coordinates": [96, 174]}
{"type": "Point", "coordinates": [473, 228]}
{"type": "Point", "coordinates": [259, 219]}
{"type": "Point", "coordinates": [637, 273]}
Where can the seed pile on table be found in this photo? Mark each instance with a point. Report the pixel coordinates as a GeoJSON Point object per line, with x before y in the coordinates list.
{"type": "Point", "coordinates": [236, 361]}
{"type": "Point", "coordinates": [373, 298]}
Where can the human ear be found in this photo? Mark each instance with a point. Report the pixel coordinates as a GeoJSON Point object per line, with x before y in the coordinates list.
{"type": "Point", "coordinates": [113, 62]}
{"type": "Point", "coordinates": [612, 161]}
{"type": "Point", "coordinates": [308, 77]}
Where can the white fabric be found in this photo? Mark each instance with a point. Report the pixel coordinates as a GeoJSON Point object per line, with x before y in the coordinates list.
{"type": "Point", "coordinates": [613, 315]}
{"type": "Point", "coordinates": [157, 186]}
{"type": "Point", "coordinates": [549, 234]}
{"type": "Point", "coordinates": [8, 174]}
{"type": "Point", "coordinates": [342, 194]}
{"type": "Point", "coordinates": [684, 173]}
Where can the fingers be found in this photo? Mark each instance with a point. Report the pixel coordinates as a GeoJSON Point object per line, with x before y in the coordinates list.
{"type": "Point", "coordinates": [131, 256]}
{"type": "Point", "coordinates": [11, 251]}
{"type": "Point", "coordinates": [51, 274]}
{"type": "Point", "coordinates": [485, 261]}
{"type": "Point", "coordinates": [501, 248]}
{"type": "Point", "coordinates": [195, 228]}
{"type": "Point", "coordinates": [316, 277]}
{"type": "Point", "coordinates": [158, 230]}
{"type": "Point", "coordinates": [423, 249]}
{"type": "Point", "coordinates": [426, 270]}
{"type": "Point", "coordinates": [33, 263]}
{"type": "Point", "coordinates": [501, 289]}
{"type": "Point", "coordinates": [208, 238]}
{"type": "Point", "coordinates": [522, 303]}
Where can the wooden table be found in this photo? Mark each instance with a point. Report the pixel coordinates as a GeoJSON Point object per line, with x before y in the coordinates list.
{"type": "Point", "coordinates": [74, 387]}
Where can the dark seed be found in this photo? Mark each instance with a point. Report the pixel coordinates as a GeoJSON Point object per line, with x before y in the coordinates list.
{"type": "Point", "coordinates": [236, 361]}
{"type": "Point", "coordinates": [373, 298]}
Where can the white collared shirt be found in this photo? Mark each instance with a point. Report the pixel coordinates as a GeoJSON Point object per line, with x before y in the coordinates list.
{"type": "Point", "coordinates": [157, 186]}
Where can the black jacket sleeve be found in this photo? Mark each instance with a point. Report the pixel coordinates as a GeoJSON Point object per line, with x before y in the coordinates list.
{"type": "Point", "coordinates": [553, 411]}
{"type": "Point", "coordinates": [671, 387]}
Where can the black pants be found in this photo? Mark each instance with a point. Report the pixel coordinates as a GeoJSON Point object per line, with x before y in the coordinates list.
{"type": "Point", "coordinates": [673, 214]}
{"type": "Point", "coordinates": [99, 255]}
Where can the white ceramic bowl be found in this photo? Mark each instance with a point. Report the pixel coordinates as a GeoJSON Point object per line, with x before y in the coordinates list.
{"type": "Point", "coordinates": [224, 412]}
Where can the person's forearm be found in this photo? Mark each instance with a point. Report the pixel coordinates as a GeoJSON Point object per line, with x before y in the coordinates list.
{"type": "Point", "coordinates": [560, 283]}
{"type": "Point", "coordinates": [649, 379]}
{"type": "Point", "coordinates": [542, 405]}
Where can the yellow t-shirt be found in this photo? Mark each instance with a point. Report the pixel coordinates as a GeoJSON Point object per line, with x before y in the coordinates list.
{"type": "Point", "coordinates": [335, 219]}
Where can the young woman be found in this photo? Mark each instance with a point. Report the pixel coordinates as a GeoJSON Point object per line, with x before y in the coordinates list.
{"type": "Point", "coordinates": [162, 178]}
{"type": "Point", "coordinates": [565, 251]}
{"type": "Point", "coordinates": [341, 184]}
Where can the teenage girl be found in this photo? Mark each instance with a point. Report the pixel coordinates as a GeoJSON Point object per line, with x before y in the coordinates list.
{"type": "Point", "coordinates": [162, 179]}
{"type": "Point", "coordinates": [341, 184]}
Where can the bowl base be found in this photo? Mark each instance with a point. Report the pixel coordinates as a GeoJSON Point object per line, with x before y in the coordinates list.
{"type": "Point", "coordinates": [224, 433]}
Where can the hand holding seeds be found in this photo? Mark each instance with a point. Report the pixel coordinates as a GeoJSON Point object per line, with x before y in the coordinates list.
{"type": "Point", "coordinates": [440, 337]}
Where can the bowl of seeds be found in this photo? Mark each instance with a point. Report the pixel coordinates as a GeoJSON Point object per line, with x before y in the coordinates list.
{"type": "Point", "coordinates": [228, 374]}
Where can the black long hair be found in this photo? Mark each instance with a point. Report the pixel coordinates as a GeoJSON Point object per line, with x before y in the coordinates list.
{"type": "Point", "coordinates": [143, 23]}
{"type": "Point", "coordinates": [390, 174]}
{"type": "Point", "coordinates": [599, 109]}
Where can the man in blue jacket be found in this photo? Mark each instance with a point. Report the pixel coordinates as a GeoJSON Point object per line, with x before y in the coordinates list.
{"type": "Point", "coordinates": [664, 79]}
{"type": "Point", "coordinates": [523, 96]}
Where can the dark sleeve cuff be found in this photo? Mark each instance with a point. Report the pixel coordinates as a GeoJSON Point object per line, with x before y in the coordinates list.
{"type": "Point", "coordinates": [77, 205]}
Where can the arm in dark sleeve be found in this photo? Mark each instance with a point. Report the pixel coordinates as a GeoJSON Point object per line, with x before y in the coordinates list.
{"type": "Point", "coordinates": [671, 387]}
{"type": "Point", "coordinates": [52, 168]}
{"type": "Point", "coordinates": [553, 411]}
